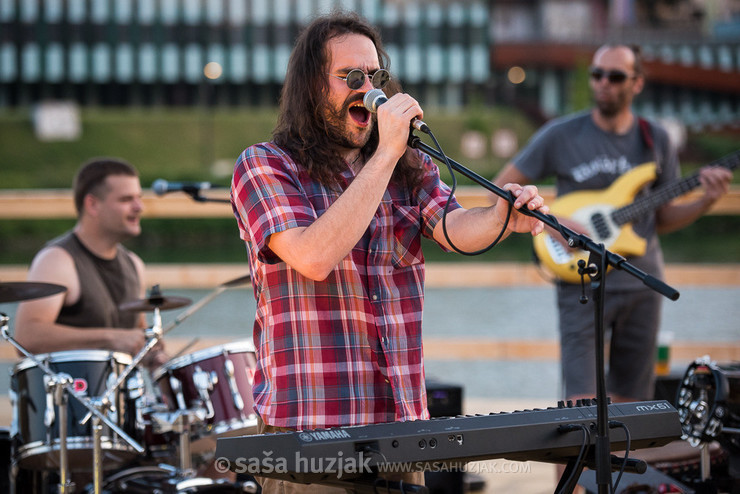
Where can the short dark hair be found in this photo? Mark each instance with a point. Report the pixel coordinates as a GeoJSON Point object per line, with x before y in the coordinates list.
{"type": "Point", "coordinates": [90, 178]}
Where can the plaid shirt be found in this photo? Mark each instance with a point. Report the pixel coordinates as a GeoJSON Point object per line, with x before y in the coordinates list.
{"type": "Point", "coordinates": [346, 350]}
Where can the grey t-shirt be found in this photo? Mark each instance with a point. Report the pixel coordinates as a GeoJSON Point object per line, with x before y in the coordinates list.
{"type": "Point", "coordinates": [581, 156]}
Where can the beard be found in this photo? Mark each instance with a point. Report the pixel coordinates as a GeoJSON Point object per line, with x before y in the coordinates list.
{"type": "Point", "coordinates": [611, 107]}
{"type": "Point", "coordinates": [337, 129]}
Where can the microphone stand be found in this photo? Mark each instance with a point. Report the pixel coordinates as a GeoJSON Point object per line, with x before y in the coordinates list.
{"type": "Point", "coordinates": [195, 195]}
{"type": "Point", "coordinates": [599, 259]}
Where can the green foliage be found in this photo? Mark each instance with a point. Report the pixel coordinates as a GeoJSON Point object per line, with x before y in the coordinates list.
{"type": "Point", "coordinates": [190, 144]}
{"type": "Point", "coordinates": [712, 239]}
{"type": "Point", "coordinates": [193, 144]}
{"type": "Point", "coordinates": [579, 92]}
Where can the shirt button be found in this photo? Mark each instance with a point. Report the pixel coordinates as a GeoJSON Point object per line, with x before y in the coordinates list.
{"type": "Point", "coordinates": [375, 297]}
{"type": "Point", "coordinates": [384, 340]}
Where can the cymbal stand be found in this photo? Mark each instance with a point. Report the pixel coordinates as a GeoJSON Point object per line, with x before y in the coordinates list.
{"type": "Point", "coordinates": [59, 383]}
{"type": "Point", "coordinates": [153, 335]}
{"type": "Point", "coordinates": [103, 403]}
{"type": "Point", "coordinates": [55, 389]}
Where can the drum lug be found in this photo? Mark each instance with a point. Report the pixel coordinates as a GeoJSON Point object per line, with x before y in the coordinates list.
{"type": "Point", "coordinates": [231, 378]}
{"type": "Point", "coordinates": [49, 412]}
{"type": "Point", "coordinates": [110, 406]}
{"type": "Point", "coordinates": [204, 382]}
{"type": "Point", "coordinates": [176, 387]}
{"type": "Point", "coordinates": [135, 386]}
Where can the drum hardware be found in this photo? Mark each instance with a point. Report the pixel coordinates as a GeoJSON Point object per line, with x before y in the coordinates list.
{"type": "Point", "coordinates": [176, 387]}
{"type": "Point", "coordinates": [708, 403]}
{"type": "Point", "coordinates": [155, 301]}
{"type": "Point", "coordinates": [61, 387]}
{"type": "Point", "coordinates": [55, 394]}
{"type": "Point", "coordinates": [230, 375]}
{"type": "Point", "coordinates": [166, 479]}
{"type": "Point", "coordinates": [153, 336]}
{"type": "Point", "coordinates": [185, 421]}
{"type": "Point", "coordinates": [204, 383]}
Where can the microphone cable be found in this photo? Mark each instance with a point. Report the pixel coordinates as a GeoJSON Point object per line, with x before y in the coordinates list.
{"type": "Point", "coordinates": [449, 199]}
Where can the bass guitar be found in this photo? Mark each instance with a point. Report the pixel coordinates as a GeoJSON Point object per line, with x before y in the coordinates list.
{"type": "Point", "coordinates": [608, 214]}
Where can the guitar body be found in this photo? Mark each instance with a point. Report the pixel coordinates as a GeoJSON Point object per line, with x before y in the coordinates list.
{"type": "Point", "coordinates": [593, 209]}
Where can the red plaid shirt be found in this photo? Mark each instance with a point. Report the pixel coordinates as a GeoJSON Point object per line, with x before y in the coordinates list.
{"type": "Point", "coordinates": [346, 350]}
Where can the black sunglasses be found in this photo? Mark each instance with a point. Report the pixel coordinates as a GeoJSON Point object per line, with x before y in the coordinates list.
{"type": "Point", "coordinates": [355, 78]}
{"type": "Point", "coordinates": [613, 76]}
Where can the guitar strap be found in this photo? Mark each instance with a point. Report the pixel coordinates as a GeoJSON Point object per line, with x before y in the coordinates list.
{"type": "Point", "coordinates": [646, 132]}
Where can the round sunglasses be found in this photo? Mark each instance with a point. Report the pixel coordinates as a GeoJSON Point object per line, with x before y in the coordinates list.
{"type": "Point", "coordinates": [355, 78]}
{"type": "Point", "coordinates": [613, 76]}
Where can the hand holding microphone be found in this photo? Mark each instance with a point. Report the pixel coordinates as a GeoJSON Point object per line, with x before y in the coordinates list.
{"type": "Point", "coordinates": [376, 97]}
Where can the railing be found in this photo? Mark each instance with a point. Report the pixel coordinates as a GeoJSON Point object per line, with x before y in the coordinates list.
{"type": "Point", "coordinates": [58, 204]}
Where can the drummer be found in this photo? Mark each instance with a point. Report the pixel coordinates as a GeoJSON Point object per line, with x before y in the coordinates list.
{"type": "Point", "coordinates": [99, 273]}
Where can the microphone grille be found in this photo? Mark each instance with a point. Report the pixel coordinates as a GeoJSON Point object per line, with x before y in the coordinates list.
{"type": "Point", "coordinates": [159, 186]}
{"type": "Point", "coordinates": [373, 98]}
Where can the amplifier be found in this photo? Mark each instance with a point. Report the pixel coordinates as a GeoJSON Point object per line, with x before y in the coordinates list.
{"type": "Point", "coordinates": [444, 400]}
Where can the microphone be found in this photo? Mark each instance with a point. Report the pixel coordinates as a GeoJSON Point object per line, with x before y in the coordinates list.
{"type": "Point", "coordinates": [376, 97]}
{"type": "Point", "coordinates": [162, 186]}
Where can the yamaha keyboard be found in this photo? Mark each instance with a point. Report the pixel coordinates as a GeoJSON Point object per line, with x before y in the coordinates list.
{"type": "Point", "coordinates": [344, 453]}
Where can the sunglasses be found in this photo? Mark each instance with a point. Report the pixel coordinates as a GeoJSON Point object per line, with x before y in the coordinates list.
{"type": "Point", "coordinates": [613, 76]}
{"type": "Point", "coordinates": [355, 78]}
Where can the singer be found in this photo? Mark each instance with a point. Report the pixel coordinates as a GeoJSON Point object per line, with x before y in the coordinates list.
{"type": "Point", "coordinates": [332, 211]}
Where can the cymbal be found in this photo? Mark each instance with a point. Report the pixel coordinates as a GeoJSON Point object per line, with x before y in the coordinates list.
{"type": "Point", "coordinates": [160, 302]}
{"type": "Point", "coordinates": [242, 280]}
{"type": "Point", "coordinates": [16, 291]}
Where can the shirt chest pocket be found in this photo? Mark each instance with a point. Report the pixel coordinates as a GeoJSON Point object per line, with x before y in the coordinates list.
{"type": "Point", "coordinates": [406, 236]}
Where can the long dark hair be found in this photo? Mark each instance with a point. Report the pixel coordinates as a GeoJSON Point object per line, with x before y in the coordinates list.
{"type": "Point", "coordinates": [302, 129]}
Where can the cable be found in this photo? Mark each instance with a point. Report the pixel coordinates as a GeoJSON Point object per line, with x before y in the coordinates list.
{"type": "Point", "coordinates": [581, 454]}
{"type": "Point", "coordinates": [447, 205]}
{"type": "Point", "coordinates": [613, 424]}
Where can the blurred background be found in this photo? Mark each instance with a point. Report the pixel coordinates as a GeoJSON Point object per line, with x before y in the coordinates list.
{"type": "Point", "coordinates": [180, 87]}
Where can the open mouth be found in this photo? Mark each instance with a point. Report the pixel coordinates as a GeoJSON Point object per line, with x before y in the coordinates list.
{"type": "Point", "coordinates": [359, 113]}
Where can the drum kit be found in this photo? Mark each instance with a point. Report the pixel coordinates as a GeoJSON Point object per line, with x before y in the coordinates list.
{"type": "Point", "coordinates": [99, 415]}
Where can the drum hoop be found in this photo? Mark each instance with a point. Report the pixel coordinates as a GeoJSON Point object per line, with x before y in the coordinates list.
{"type": "Point", "coordinates": [73, 356]}
{"type": "Point", "coordinates": [223, 427]}
{"type": "Point", "coordinates": [40, 448]}
{"type": "Point", "coordinates": [204, 354]}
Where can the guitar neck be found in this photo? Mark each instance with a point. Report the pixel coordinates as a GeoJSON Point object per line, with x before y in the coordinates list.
{"type": "Point", "coordinates": [665, 193]}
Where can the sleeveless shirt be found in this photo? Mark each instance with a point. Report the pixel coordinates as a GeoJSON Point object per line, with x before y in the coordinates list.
{"type": "Point", "coordinates": [104, 285]}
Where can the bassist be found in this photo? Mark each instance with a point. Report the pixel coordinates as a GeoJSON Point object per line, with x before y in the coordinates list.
{"type": "Point", "coordinates": [589, 151]}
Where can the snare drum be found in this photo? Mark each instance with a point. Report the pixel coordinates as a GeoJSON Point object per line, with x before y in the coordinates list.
{"type": "Point", "coordinates": [35, 428]}
{"type": "Point", "coordinates": [217, 380]}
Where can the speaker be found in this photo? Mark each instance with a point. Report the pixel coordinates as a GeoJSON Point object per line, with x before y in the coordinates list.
{"type": "Point", "coordinates": [444, 400]}
{"type": "Point", "coordinates": [666, 387]}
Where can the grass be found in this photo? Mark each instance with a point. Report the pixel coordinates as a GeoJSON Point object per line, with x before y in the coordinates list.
{"type": "Point", "coordinates": [192, 144]}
